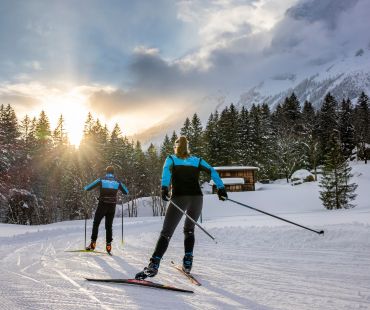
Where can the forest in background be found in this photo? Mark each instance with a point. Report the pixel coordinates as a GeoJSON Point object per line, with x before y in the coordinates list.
{"type": "Point", "coordinates": [42, 175]}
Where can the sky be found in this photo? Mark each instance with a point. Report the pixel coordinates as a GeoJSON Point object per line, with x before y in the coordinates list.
{"type": "Point", "coordinates": [144, 63]}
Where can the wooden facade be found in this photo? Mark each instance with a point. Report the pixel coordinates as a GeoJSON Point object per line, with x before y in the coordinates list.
{"type": "Point", "coordinates": [247, 173]}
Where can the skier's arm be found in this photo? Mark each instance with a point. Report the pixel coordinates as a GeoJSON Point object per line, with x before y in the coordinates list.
{"type": "Point", "coordinates": [204, 166]}
{"type": "Point", "coordinates": [167, 172]}
{"type": "Point", "coordinates": [92, 185]}
{"type": "Point", "coordinates": [123, 188]}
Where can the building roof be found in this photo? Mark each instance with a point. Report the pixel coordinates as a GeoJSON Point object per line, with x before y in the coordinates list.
{"type": "Point", "coordinates": [230, 181]}
{"type": "Point", "coordinates": [222, 168]}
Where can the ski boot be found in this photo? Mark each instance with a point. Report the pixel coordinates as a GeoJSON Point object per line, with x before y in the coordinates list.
{"type": "Point", "coordinates": [187, 262]}
{"type": "Point", "coordinates": [108, 247]}
{"type": "Point", "coordinates": [91, 246]}
{"type": "Point", "coordinates": [149, 271]}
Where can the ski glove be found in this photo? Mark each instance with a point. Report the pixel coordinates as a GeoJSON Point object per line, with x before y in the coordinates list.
{"type": "Point", "coordinates": [222, 195]}
{"type": "Point", "coordinates": [165, 194]}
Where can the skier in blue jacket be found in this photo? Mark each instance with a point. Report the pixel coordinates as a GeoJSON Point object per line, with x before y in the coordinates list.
{"type": "Point", "coordinates": [109, 187]}
{"type": "Point", "coordinates": [182, 170]}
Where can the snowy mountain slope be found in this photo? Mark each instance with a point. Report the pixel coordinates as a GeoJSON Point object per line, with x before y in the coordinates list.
{"type": "Point", "coordinates": [345, 78]}
{"type": "Point", "coordinates": [258, 262]}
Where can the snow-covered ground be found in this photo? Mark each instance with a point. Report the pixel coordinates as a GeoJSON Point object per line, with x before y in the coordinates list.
{"type": "Point", "coordinates": [258, 262]}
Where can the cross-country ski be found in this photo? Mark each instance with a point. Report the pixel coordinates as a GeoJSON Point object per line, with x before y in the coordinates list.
{"type": "Point", "coordinates": [144, 283]}
{"type": "Point", "coordinates": [188, 275]}
{"type": "Point", "coordinates": [87, 251]}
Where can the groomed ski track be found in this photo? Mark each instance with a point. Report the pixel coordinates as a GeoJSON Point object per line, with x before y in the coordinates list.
{"type": "Point", "coordinates": [258, 263]}
{"type": "Point", "coordinates": [255, 268]}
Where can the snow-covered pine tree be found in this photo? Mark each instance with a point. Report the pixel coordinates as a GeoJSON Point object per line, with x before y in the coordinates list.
{"type": "Point", "coordinates": [362, 125]}
{"type": "Point", "coordinates": [291, 110]}
{"type": "Point", "coordinates": [336, 192]}
{"type": "Point", "coordinates": [310, 140]}
{"type": "Point", "coordinates": [9, 134]}
{"type": "Point", "coordinates": [346, 128]}
{"type": "Point", "coordinates": [327, 123]}
{"type": "Point", "coordinates": [244, 145]}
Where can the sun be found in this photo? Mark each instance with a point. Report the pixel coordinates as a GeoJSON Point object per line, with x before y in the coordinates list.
{"type": "Point", "coordinates": [73, 106]}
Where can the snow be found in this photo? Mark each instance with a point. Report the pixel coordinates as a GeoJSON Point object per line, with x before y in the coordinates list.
{"type": "Point", "coordinates": [258, 263]}
{"type": "Point", "coordinates": [300, 176]}
{"type": "Point", "coordinates": [230, 181]}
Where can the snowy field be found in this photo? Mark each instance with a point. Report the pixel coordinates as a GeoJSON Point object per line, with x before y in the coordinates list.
{"type": "Point", "coordinates": [258, 262]}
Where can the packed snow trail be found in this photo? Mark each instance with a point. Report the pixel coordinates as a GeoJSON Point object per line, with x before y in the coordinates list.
{"type": "Point", "coordinates": [251, 268]}
{"type": "Point", "coordinates": [258, 263]}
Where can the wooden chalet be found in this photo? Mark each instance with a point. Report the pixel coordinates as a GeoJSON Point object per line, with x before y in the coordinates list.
{"type": "Point", "coordinates": [237, 178]}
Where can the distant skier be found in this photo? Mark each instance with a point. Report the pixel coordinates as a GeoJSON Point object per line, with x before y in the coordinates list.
{"type": "Point", "coordinates": [183, 170]}
{"type": "Point", "coordinates": [109, 186]}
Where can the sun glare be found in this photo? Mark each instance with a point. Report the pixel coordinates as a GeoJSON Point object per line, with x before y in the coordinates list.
{"type": "Point", "coordinates": [72, 105]}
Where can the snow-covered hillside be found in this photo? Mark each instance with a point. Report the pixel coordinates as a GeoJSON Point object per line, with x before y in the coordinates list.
{"type": "Point", "coordinates": [258, 262]}
{"type": "Point", "coordinates": [345, 78]}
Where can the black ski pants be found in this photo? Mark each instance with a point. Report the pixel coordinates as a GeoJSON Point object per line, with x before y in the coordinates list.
{"type": "Point", "coordinates": [106, 210]}
{"type": "Point", "coordinates": [193, 206]}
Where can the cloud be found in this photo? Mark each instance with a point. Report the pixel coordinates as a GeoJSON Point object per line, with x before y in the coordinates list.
{"type": "Point", "coordinates": [169, 56]}
{"type": "Point", "coordinates": [237, 53]}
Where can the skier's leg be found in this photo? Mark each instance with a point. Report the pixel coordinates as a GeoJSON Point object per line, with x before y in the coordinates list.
{"type": "Point", "coordinates": [109, 216]}
{"type": "Point", "coordinates": [171, 220]}
{"type": "Point", "coordinates": [194, 212]}
{"type": "Point", "coordinates": [99, 214]}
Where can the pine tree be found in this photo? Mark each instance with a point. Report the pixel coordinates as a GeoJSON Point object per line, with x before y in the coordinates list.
{"type": "Point", "coordinates": [310, 140]}
{"type": "Point", "coordinates": [43, 132]}
{"type": "Point", "coordinates": [59, 134]}
{"type": "Point", "coordinates": [362, 125]}
{"type": "Point", "coordinates": [173, 138]}
{"type": "Point", "coordinates": [186, 128]}
{"type": "Point", "coordinates": [327, 123]}
{"type": "Point", "coordinates": [346, 128]}
{"type": "Point", "coordinates": [227, 135]}
{"type": "Point", "coordinates": [337, 191]}
{"type": "Point", "coordinates": [196, 136]}
{"type": "Point", "coordinates": [291, 112]}
{"type": "Point", "coordinates": [166, 148]}
{"type": "Point", "coordinates": [244, 144]}
{"type": "Point", "coordinates": [9, 131]}
{"type": "Point", "coordinates": [211, 140]}
{"type": "Point", "coordinates": [262, 142]}
{"type": "Point", "coordinates": [9, 134]}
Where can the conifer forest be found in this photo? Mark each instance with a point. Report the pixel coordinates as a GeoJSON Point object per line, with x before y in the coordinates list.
{"type": "Point", "coordinates": [42, 175]}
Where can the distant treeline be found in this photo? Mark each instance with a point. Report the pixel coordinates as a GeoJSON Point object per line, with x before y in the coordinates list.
{"type": "Point", "coordinates": [42, 175]}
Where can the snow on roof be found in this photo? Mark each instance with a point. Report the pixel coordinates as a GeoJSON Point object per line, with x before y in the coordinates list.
{"type": "Point", "coordinates": [230, 181]}
{"type": "Point", "coordinates": [236, 168]}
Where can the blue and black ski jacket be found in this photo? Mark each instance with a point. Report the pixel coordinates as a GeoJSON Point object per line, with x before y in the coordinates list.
{"type": "Point", "coordinates": [109, 186]}
{"type": "Point", "coordinates": [184, 174]}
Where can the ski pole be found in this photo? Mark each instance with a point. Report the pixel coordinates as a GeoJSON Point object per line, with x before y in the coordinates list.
{"type": "Point", "coordinates": [122, 223]}
{"type": "Point", "coordinates": [321, 232]}
{"type": "Point", "coordinates": [85, 228]}
{"type": "Point", "coordinates": [191, 219]}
